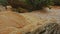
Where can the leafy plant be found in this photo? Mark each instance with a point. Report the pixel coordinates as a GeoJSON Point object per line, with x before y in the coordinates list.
{"type": "Point", "coordinates": [57, 2]}
{"type": "Point", "coordinates": [33, 4]}
{"type": "Point", "coordinates": [3, 2]}
{"type": "Point", "coordinates": [37, 4]}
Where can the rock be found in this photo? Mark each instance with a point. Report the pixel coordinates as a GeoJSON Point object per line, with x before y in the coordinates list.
{"type": "Point", "coordinates": [2, 8]}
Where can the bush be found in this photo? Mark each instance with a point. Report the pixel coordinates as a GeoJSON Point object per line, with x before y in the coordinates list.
{"type": "Point", "coordinates": [33, 4]}
{"type": "Point", "coordinates": [57, 2]}
{"type": "Point", "coordinates": [30, 4]}
{"type": "Point", "coordinates": [3, 2]}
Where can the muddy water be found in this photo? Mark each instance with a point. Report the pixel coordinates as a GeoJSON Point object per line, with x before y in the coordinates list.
{"type": "Point", "coordinates": [35, 20]}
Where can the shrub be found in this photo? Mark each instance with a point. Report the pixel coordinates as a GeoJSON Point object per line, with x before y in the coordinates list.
{"type": "Point", "coordinates": [57, 2]}
{"type": "Point", "coordinates": [3, 2]}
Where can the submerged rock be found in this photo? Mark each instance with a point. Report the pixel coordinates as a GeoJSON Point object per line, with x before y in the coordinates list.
{"type": "Point", "coordinates": [50, 28]}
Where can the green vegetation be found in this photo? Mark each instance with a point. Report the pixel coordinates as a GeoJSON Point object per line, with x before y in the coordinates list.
{"type": "Point", "coordinates": [30, 4]}
{"type": "Point", "coordinates": [3, 2]}
{"type": "Point", "coordinates": [34, 3]}
{"type": "Point", "coordinates": [57, 2]}
{"type": "Point", "coordinates": [38, 4]}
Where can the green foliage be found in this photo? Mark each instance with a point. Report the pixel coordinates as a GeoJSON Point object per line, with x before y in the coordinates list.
{"type": "Point", "coordinates": [49, 2]}
{"type": "Point", "coordinates": [57, 2]}
{"type": "Point", "coordinates": [39, 4]}
{"type": "Point", "coordinates": [3, 2]}
{"type": "Point", "coordinates": [33, 4]}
